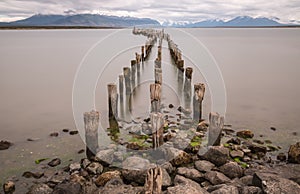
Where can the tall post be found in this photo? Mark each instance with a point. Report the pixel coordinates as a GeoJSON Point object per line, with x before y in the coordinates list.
{"type": "Point", "coordinates": [143, 53]}
{"type": "Point", "coordinates": [133, 72]}
{"type": "Point", "coordinates": [187, 86]}
{"type": "Point", "coordinates": [216, 123]}
{"type": "Point", "coordinates": [155, 95]}
{"type": "Point", "coordinates": [199, 90]}
{"type": "Point", "coordinates": [121, 85]}
{"type": "Point", "coordinates": [157, 122]}
{"type": "Point", "coordinates": [113, 110]}
{"type": "Point", "coordinates": [158, 75]}
{"type": "Point", "coordinates": [126, 73]}
{"type": "Point", "coordinates": [91, 123]}
{"type": "Point", "coordinates": [154, 180]}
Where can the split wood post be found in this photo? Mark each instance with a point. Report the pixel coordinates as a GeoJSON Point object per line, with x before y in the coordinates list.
{"type": "Point", "coordinates": [112, 101]}
{"type": "Point", "coordinates": [155, 95]}
{"type": "Point", "coordinates": [91, 123]}
{"type": "Point", "coordinates": [180, 65]}
{"type": "Point", "coordinates": [199, 90]}
{"type": "Point", "coordinates": [133, 72]}
{"type": "Point", "coordinates": [153, 182]}
{"type": "Point", "coordinates": [158, 75]}
{"type": "Point", "coordinates": [126, 73]}
{"type": "Point", "coordinates": [143, 53]}
{"type": "Point", "coordinates": [121, 85]}
{"type": "Point", "coordinates": [157, 122]}
{"type": "Point", "coordinates": [216, 123]}
{"type": "Point", "coordinates": [187, 86]}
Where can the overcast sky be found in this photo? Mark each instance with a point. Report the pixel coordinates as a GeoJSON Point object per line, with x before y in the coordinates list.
{"type": "Point", "coordinates": [161, 10]}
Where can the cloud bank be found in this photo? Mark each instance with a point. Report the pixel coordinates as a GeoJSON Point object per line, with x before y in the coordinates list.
{"type": "Point", "coordinates": [164, 10]}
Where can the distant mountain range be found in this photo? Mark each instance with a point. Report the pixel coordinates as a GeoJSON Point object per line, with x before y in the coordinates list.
{"type": "Point", "coordinates": [82, 20]}
{"type": "Point", "coordinates": [96, 20]}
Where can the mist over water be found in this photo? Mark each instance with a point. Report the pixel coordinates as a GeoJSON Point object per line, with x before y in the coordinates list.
{"type": "Point", "coordinates": [260, 68]}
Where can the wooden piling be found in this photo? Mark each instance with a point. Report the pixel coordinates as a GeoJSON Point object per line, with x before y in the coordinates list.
{"type": "Point", "coordinates": [143, 53]}
{"type": "Point", "coordinates": [158, 75]}
{"type": "Point", "coordinates": [133, 72]}
{"type": "Point", "coordinates": [157, 122]}
{"type": "Point", "coordinates": [112, 101]}
{"type": "Point", "coordinates": [180, 65]}
{"type": "Point", "coordinates": [155, 95]}
{"type": "Point", "coordinates": [121, 85]}
{"type": "Point", "coordinates": [127, 75]}
{"type": "Point", "coordinates": [199, 90]}
{"type": "Point", "coordinates": [91, 124]}
{"type": "Point", "coordinates": [216, 123]}
{"type": "Point", "coordinates": [137, 58]}
{"type": "Point", "coordinates": [188, 73]}
{"type": "Point", "coordinates": [154, 180]}
{"type": "Point", "coordinates": [187, 87]}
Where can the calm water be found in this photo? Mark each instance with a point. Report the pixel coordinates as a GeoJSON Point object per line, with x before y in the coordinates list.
{"type": "Point", "coordinates": [260, 68]}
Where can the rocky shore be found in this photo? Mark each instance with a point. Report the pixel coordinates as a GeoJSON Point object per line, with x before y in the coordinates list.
{"type": "Point", "coordinates": [241, 165]}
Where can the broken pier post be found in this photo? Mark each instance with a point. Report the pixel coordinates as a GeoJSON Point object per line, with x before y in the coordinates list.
{"type": "Point", "coordinates": [187, 86]}
{"type": "Point", "coordinates": [154, 180]}
{"type": "Point", "coordinates": [158, 75]}
{"type": "Point", "coordinates": [199, 90]}
{"type": "Point", "coordinates": [155, 95]}
{"type": "Point", "coordinates": [216, 123]}
{"type": "Point", "coordinates": [113, 110]}
{"type": "Point", "coordinates": [133, 72]}
{"type": "Point", "coordinates": [157, 122]}
{"type": "Point", "coordinates": [126, 73]}
{"type": "Point", "coordinates": [91, 123]}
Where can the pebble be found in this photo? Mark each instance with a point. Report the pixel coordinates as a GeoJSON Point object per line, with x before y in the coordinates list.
{"type": "Point", "coordinates": [80, 151]}
{"type": "Point", "coordinates": [54, 134]}
{"type": "Point", "coordinates": [281, 157]}
{"type": "Point", "coordinates": [9, 187]}
{"type": "Point", "coordinates": [273, 128]}
{"type": "Point", "coordinates": [54, 162]}
{"type": "Point", "coordinates": [171, 106]}
{"type": "Point", "coordinates": [73, 132]}
{"type": "Point", "coordinates": [35, 175]}
{"type": "Point", "coordinates": [66, 130]}
{"type": "Point", "coordinates": [4, 145]}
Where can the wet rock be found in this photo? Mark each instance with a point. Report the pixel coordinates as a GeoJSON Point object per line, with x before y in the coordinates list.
{"type": "Point", "coordinates": [226, 189]}
{"type": "Point", "coordinates": [133, 146]}
{"type": "Point", "coordinates": [54, 134]}
{"type": "Point", "coordinates": [80, 151]}
{"type": "Point", "coordinates": [66, 130]}
{"type": "Point", "coordinates": [9, 187]}
{"type": "Point", "coordinates": [166, 179]}
{"type": "Point", "coordinates": [177, 157]}
{"type": "Point", "coordinates": [36, 175]}
{"type": "Point", "coordinates": [107, 176]}
{"type": "Point", "coordinates": [237, 153]}
{"type": "Point", "coordinates": [56, 179]}
{"type": "Point", "coordinates": [111, 189]}
{"type": "Point", "coordinates": [217, 155]}
{"type": "Point", "coordinates": [135, 169]}
{"type": "Point", "coordinates": [190, 173]}
{"type": "Point", "coordinates": [258, 141]}
{"type": "Point", "coordinates": [39, 188]}
{"type": "Point", "coordinates": [271, 183]}
{"type": "Point", "coordinates": [77, 179]}
{"type": "Point", "coordinates": [74, 167]}
{"type": "Point", "coordinates": [185, 185]}
{"type": "Point", "coordinates": [95, 168]}
{"type": "Point", "coordinates": [73, 132]}
{"type": "Point", "coordinates": [281, 157]}
{"type": "Point", "coordinates": [68, 188]}
{"type": "Point", "coordinates": [245, 134]}
{"type": "Point", "coordinates": [171, 106]}
{"type": "Point", "coordinates": [232, 170]}
{"type": "Point", "coordinates": [32, 139]}
{"type": "Point", "coordinates": [85, 162]}
{"type": "Point", "coordinates": [105, 157]}
{"type": "Point", "coordinates": [4, 145]}
{"type": "Point", "coordinates": [247, 180]}
{"type": "Point", "coordinates": [294, 153]}
{"type": "Point", "coordinates": [235, 141]}
{"type": "Point", "coordinates": [204, 166]}
{"type": "Point", "coordinates": [251, 190]}
{"type": "Point", "coordinates": [257, 148]}
{"type": "Point", "coordinates": [168, 166]}
{"type": "Point", "coordinates": [202, 126]}
{"type": "Point", "coordinates": [54, 162]}
{"type": "Point", "coordinates": [273, 128]}
{"type": "Point", "coordinates": [216, 178]}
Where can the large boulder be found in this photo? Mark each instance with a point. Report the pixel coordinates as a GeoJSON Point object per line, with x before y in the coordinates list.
{"type": "Point", "coordinates": [105, 157]}
{"type": "Point", "coordinates": [191, 173]}
{"type": "Point", "coordinates": [177, 157]}
{"type": "Point", "coordinates": [271, 183]}
{"type": "Point", "coordinates": [40, 188]}
{"type": "Point", "coordinates": [232, 170]}
{"type": "Point", "coordinates": [68, 188]}
{"type": "Point", "coordinates": [218, 155]}
{"type": "Point", "coordinates": [204, 165]}
{"type": "Point", "coordinates": [216, 178]}
{"type": "Point", "coordinates": [135, 169]}
{"type": "Point", "coordinates": [185, 185]}
{"type": "Point", "coordinates": [226, 189]}
{"type": "Point", "coordinates": [107, 176]}
{"type": "Point", "coordinates": [294, 153]}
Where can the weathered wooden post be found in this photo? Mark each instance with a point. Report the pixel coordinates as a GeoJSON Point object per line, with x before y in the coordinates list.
{"type": "Point", "coordinates": [154, 180]}
{"type": "Point", "coordinates": [216, 123]}
{"type": "Point", "coordinates": [159, 53]}
{"type": "Point", "coordinates": [113, 110]}
{"type": "Point", "coordinates": [158, 75]}
{"type": "Point", "coordinates": [180, 65]}
{"type": "Point", "coordinates": [143, 53]}
{"type": "Point", "coordinates": [133, 72]}
{"type": "Point", "coordinates": [126, 73]}
{"type": "Point", "coordinates": [199, 90]}
{"type": "Point", "coordinates": [137, 58]}
{"type": "Point", "coordinates": [121, 85]}
{"type": "Point", "coordinates": [155, 95]}
{"type": "Point", "coordinates": [157, 122]}
{"type": "Point", "coordinates": [187, 86]}
{"type": "Point", "coordinates": [91, 123]}
{"type": "Point", "coordinates": [112, 101]}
